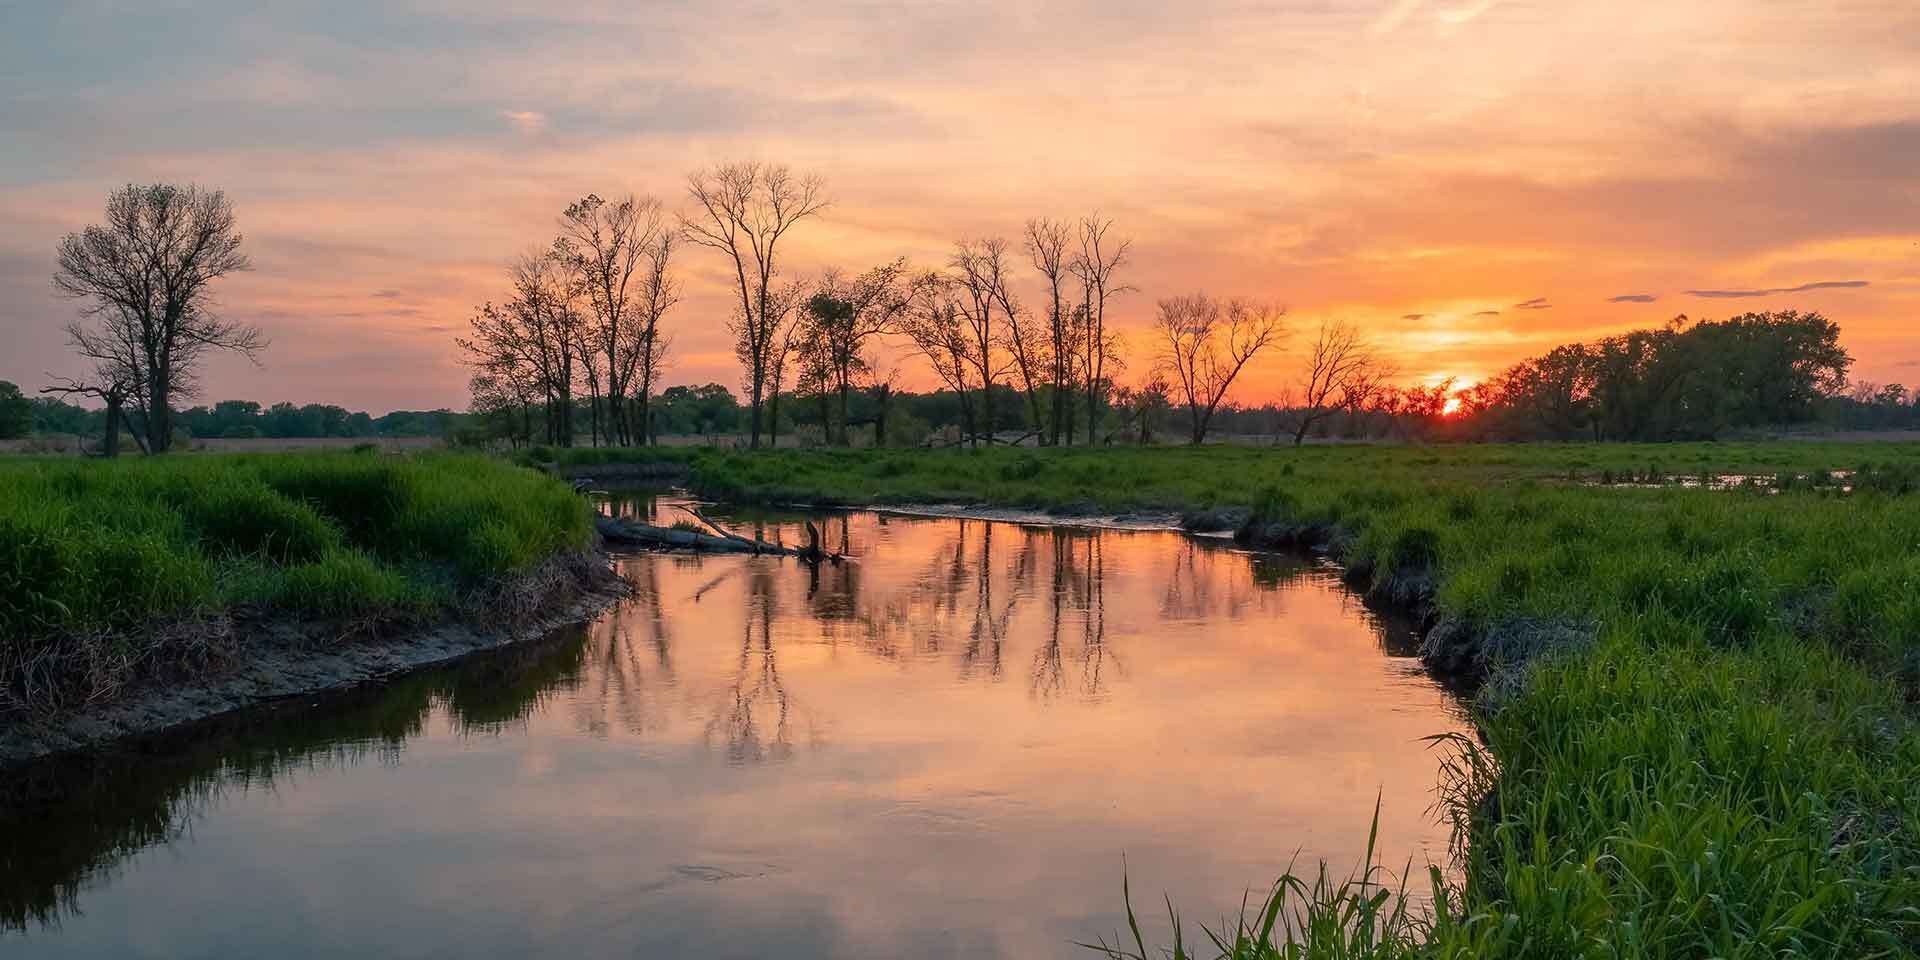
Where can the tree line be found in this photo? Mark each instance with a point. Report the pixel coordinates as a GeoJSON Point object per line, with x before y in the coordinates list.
{"type": "Point", "coordinates": [1033, 316]}
{"type": "Point", "coordinates": [1019, 335]}
{"type": "Point", "coordinates": [1684, 380]}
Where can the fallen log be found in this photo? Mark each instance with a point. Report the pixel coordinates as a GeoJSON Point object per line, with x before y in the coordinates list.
{"type": "Point", "coordinates": [628, 532]}
{"type": "Point", "coordinates": [643, 534]}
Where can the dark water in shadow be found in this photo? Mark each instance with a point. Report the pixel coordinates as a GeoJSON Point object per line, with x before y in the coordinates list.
{"type": "Point", "coordinates": [941, 749]}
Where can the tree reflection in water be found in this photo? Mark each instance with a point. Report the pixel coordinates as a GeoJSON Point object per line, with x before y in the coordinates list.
{"type": "Point", "coordinates": [959, 597]}
{"type": "Point", "coordinates": [69, 820]}
{"type": "Point", "coordinates": [756, 684]}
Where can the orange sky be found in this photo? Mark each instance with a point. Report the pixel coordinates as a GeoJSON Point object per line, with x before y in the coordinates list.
{"type": "Point", "coordinates": [1423, 169]}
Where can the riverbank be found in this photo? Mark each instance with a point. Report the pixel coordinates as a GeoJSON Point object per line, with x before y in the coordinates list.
{"type": "Point", "coordinates": [141, 594]}
{"type": "Point", "coordinates": [1698, 738]}
{"type": "Point", "coordinates": [276, 659]}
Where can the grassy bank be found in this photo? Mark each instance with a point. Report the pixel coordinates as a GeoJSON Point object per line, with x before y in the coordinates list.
{"type": "Point", "coordinates": [1707, 746]}
{"type": "Point", "coordinates": [109, 569]}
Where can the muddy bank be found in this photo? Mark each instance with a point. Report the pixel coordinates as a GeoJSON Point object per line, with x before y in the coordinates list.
{"type": "Point", "coordinates": [275, 659]}
{"type": "Point", "coordinates": [1462, 653]}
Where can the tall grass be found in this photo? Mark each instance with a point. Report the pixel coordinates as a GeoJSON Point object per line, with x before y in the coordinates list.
{"type": "Point", "coordinates": [93, 549]}
{"type": "Point", "coordinates": [1365, 915]}
{"type": "Point", "coordinates": [1699, 738]}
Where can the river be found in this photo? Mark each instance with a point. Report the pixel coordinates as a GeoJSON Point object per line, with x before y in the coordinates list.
{"type": "Point", "coordinates": [942, 747]}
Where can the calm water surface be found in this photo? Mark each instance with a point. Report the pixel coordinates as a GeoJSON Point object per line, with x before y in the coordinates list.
{"type": "Point", "coordinates": [942, 748]}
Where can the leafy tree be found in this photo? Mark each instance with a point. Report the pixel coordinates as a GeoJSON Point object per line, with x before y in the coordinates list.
{"type": "Point", "coordinates": [1682, 381]}
{"type": "Point", "coordinates": [16, 412]}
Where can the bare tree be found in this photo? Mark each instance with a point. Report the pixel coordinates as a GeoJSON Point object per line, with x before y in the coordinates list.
{"type": "Point", "coordinates": [979, 275]}
{"type": "Point", "coordinates": [936, 323]}
{"type": "Point", "coordinates": [1099, 258]}
{"type": "Point", "coordinates": [788, 342]}
{"type": "Point", "coordinates": [532, 342]}
{"type": "Point", "coordinates": [745, 209]}
{"type": "Point", "coordinates": [1204, 346]}
{"type": "Point", "coordinates": [1139, 405]}
{"type": "Point", "coordinates": [844, 315]}
{"type": "Point", "coordinates": [885, 384]}
{"type": "Point", "coordinates": [504, 399]}
{"type": "Point", "coordinates": [658, 293]}
{"type": "Point", "coordinates": [1342, 371]}
{"type": "Point", "coordinates": [608, 245]}
{"type": "Point", "coordinates": [148, 275]}
{"type": "Point", "coordinates": [113, 385]}
{"type": "Point", "coordinates": [586, 348]}
{"type": "Point", "coordinates": [1030, 347]}
{"type": "Point", "coordinates": [1047, 249]}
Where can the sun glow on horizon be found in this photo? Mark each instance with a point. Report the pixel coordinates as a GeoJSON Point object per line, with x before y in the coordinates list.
{"type": "Point", "coordinates": [1471, 183]}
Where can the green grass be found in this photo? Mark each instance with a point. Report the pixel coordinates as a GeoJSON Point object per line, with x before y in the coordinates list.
{"type": "Point", "coordinates": [91, 549]}
{"type": "Point", "coordinates": [1717, 754]}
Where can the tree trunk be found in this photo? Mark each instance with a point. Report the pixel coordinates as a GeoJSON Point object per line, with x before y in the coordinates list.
{"type": "Point", "coordinates": [986, 408]}
{"type": "Point", "coordinates": [1093, 414]}
{"type": "Point", "coordinates": [966, 418]}
{"type": "Point", "coordinates": [772, 419]}
{"type": "Point", "coordinates": [159, 415]}
{"type": "Point", "coordinates": [1060, 395]}
{"type": "Point", "coordinates": [753, 419]}
{"type": "Point", "coordinates": [110, 444]}
{"type": "Point", "coordinates": [845, 439]}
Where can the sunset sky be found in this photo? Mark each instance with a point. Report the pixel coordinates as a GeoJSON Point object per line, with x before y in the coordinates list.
{"type": "Point", "coordinates": [1469, 181]}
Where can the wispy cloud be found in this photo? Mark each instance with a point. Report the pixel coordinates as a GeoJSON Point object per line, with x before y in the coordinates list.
{"type": "Point", "coordinates": [1537, 303]}
{"type": "Point", "coordinates": [1633, 298]}
{"type": "Point", "coordinates": [1466, 12]}
{"type": "Point", "coordinates": [1771, 291]}
{"type": "Point", "coordinates": [525, 121]}
{"type": "Point", "coordinates": [1415, 317]}
{"type": "Point", "coordinates": [1394, 16]}
{"type": "Point", "coordinates": [1488, 313]}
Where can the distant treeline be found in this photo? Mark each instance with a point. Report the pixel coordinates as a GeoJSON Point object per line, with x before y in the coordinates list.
{"type": "Point", "coordinates": [246, 418]}
{"type": "Point", "coordinates": [1681, 381]}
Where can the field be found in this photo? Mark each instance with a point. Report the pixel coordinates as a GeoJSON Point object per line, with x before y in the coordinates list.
{"type": "Point", "coordinates": [108, 569]}
{"type": "Point", "coordinates": [1700, 666]}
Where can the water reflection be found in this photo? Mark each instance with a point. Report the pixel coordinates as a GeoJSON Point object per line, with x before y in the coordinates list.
{"type": "Point", "coordinates": [70, 820]}
{"type": "Point", "coordinates": [939, 747]}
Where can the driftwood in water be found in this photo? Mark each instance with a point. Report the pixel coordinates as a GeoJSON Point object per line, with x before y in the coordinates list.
{"type": "Point", "coordinates": [722, 540]}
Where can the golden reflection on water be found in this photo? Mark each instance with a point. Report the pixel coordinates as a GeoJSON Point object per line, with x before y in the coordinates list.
{"type": "Point", "coordinates": [942, 746]}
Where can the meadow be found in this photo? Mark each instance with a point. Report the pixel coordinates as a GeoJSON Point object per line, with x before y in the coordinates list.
{"type": "Point", "coordinates": [110, 569]}
{"type": "Point", "coordinates": [1698, 663]}
{"type": "Point", "coordinates": [1697, 724]}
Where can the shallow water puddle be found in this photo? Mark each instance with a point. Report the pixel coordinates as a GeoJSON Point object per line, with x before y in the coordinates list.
{"type": "Point", "coordinates": [941, 748]}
